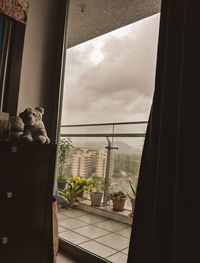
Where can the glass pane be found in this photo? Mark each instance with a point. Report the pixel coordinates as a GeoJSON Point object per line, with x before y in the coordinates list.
{"type": "Point", "coordinates": [110, 80]}
{"type": "Point", "coordinates": [87, 157]}
{"type": "Point", "coordinates": [87, 129]}
{"type": "Point", "coordinates": [131, 128]}
{"type": "Point", "coordinates": [125, 164]}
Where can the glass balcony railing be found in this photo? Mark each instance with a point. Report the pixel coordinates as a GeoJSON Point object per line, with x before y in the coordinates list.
{"type": "Point", "coordinates": [111, 151]}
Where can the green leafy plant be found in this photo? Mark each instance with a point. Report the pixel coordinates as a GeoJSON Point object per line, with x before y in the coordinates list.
{"type": "Point", "coordinates": [96, 184]}
{"type": "Point", "coordinates": [81, 181]}
{"type": "Point", "coordinates": [118, 195]}
{"type": "Point", "coordinates": [61, 178]}
{"type": "Point", "coordinates": [132, 195]}
{"type": "Point", "coordinates": [119, 199]}
{"type": "Point", "coordinates": [70, 194]}
{"type": "Point", "coordinates": [65, 145]}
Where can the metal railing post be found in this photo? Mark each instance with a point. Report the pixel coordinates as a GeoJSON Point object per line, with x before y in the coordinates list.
{"type": "Point", "coordinates": [107, 175]}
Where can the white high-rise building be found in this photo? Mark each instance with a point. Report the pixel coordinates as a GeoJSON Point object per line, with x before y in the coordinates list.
{"type": "Point", "coordinates": [101, 164]}
{"type": "Point", "coordinates": [89, 162]}
{"type": "Point", "coordinates": [80, 163]}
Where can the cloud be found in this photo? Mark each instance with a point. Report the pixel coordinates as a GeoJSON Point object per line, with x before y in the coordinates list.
{"type": "Point", "coordinates": [119, 85]}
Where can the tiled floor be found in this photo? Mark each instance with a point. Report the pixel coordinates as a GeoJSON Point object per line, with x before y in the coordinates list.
{"type": "Point", "coordinates": [104, 237]}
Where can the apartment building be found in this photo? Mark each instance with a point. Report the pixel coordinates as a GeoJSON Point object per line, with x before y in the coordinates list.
{"type": "Point", "coordinates": [89, 163]}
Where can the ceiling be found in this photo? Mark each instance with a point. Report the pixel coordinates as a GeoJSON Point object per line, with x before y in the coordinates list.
{"type": "Point", "coordinates": [88, 19]}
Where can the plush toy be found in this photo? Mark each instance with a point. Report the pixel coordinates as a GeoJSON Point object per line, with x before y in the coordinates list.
{"type": "Point", "coordinates": [34, 129]}
{"type": "Point", "coordinates": [16, 129]}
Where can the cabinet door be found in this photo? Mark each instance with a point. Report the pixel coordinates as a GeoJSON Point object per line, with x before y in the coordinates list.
{"type": "Point", "coordinates": [24, 162]}
{"type": "Point", "coordinates": [26, 185]}
{"type": "Point", "coordinates": [24, 210]}
{"type": "Point", "coordinates": [24, 244]}
{"type": "Point", "coordinates": [23, 203]}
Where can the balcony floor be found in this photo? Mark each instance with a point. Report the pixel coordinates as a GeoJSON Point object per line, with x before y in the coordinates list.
{"type": "Point", "coordinates": [102, 236]}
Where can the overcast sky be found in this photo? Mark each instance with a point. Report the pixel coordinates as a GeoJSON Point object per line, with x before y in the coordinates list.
{"type": "Point", "coordinates": [111, 78]}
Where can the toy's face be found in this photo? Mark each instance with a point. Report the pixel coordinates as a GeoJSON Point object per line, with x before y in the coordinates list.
{"type": "Point", "coordinates": [31, 117]}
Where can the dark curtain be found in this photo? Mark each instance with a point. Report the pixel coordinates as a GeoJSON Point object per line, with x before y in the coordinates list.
{"type": "Point", "coordinates": [166, 223]}
{"type": "Point", "coordinates": [1, 33]}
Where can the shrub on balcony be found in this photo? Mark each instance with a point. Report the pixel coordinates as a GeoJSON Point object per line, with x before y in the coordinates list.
{"type": "Point", "coordinates": [132, 195]}
{"type": "Point", "coordinates": [118, 199]}
{"type": "Point", "coordinates": [65, 145]}
{"type": "Point", "coordinates": [61, 178]}
{"type": "Point", "coordinates": [82, 182]}
{"type": "Point", "coordinates": [96, 187]}
{"type": "Point", "coordinates": [96, 184]}
{"type": "Point", "coordinates": [71, 194]}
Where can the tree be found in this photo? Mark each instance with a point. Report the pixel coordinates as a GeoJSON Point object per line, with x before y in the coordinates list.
{"type": "Point", "coordinates": [65, 145]}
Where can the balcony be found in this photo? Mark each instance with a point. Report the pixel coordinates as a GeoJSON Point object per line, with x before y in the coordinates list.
{"type": "Point", "coordinates": [104, 237]}
{"type": "Point", "coordinates": [113, 152]}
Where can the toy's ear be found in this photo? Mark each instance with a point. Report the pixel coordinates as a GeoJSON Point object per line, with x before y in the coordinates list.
{"type": "Point", "coordinates": [21, 115]}
{"type": "Point", "coordinates": [40, 109]}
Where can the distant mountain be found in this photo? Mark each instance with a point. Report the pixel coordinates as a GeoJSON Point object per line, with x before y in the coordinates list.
{"type": "Point", "coordinates": [124, 148]}
{"type": "Point", "coordinates": [127, 149]}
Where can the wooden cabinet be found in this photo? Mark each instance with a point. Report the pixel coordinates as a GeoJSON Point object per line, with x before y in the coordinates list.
{"type": "Point", "coordinates": [26, 188]}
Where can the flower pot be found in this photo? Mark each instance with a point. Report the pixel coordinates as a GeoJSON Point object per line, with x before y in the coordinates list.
{"type": "Point", "coordinates": [96, 198]}
{"type": "Point", "coordinates": [61, 185]}
{"type": "Point", "coordinates": [118, 204]}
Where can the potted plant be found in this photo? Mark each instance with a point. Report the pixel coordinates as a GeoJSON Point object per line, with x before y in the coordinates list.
{"type": "Point", "coordinates": [61, 180]}
{"type": "Point", "coordinates": [65, 144]}
{"type": "Point", "coordinates": [82, 182]}
{"type": "Point", "coordinates": [96, 186]}
{"type": "Point", "coordinates": [70, 194]}
{"type": "Point", "coordinates": [132, 195]}
{"type": "Point", "coordinates": [118, 199]}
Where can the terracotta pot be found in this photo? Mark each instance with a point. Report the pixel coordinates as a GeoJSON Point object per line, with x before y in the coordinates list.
{"type": "Point", "coordinates": [96, 198]}
{"type": "Point", "coordinates": [118, 204]}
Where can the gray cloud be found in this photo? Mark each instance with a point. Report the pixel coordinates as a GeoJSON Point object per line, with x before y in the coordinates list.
{"type": "Point", "coordinates": [120, 87]}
